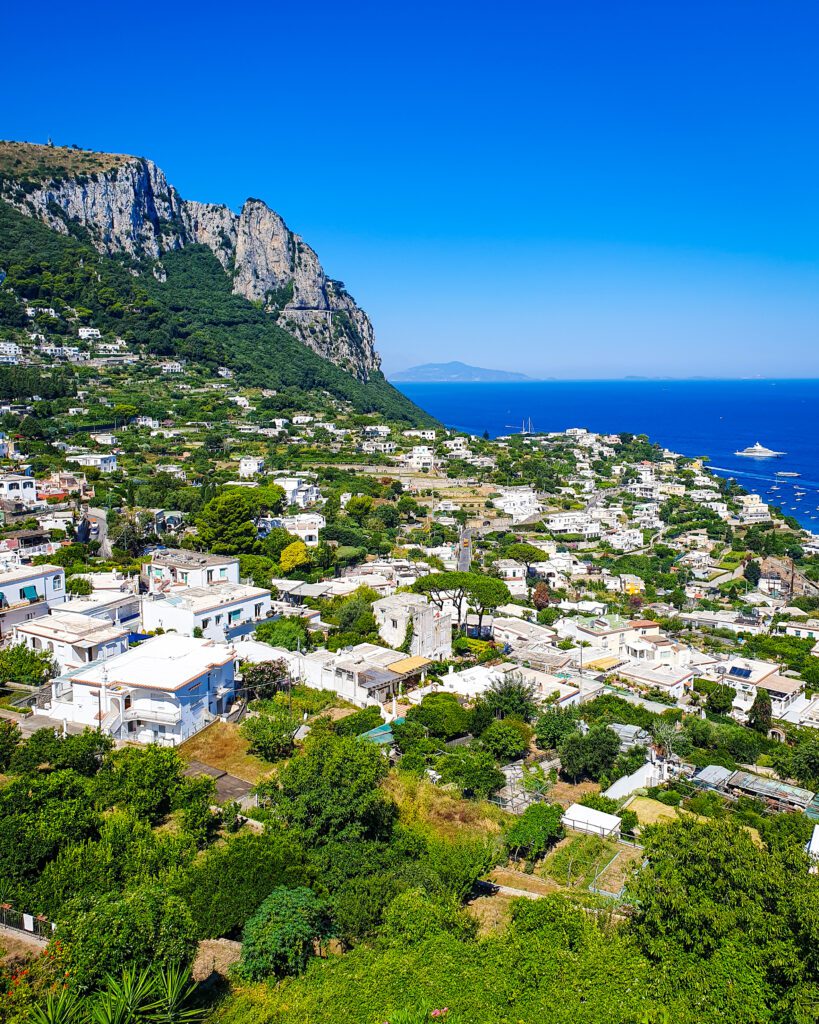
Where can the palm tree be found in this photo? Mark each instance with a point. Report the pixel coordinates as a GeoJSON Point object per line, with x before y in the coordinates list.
{"type": "Point", "coordinates": [63, 1007]}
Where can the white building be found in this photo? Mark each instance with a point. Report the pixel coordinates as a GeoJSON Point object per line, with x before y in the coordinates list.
{"type": "Point", "coordinates": [71, 639]}
{"type": "Point", "coordinates": [28, 592]}
{"type": "Point", "coordinates": [298, 490]}
{"type": "Point", "coordinates": [15, 487]}
{"type": "Point", "coordinates": [420, 457]}
{"type": "Point", "coordinates": [365, 674]}
{"type": "Point", "coordinates": [89, 334]}
{"type": "Point", "coordinates": [587, 819]}
{"type": "Point", "coordinates": [520, 503]}
{"type": "Point", "coordinates": [250, 465]}
{"type": "Point", "coordinates": [106, 463]}
{"type": "Point", "coordinates": [752, 509]}
{"type": "Point", "coordinates": [305, 526]}
{"type": "Point", "coordinates": [163, 691]}
{"type": "Point", "coordinates": [191, 568]}
{"type": "Point", "coordinates": [429, 628]}
{"type": "Point", "coordinates": [215, 609]}
{"type": "Point", "coordinates": [172, 366]}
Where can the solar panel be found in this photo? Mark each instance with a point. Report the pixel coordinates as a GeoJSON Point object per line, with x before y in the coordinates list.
{"type": "Point", "coordinates": [740, 673]}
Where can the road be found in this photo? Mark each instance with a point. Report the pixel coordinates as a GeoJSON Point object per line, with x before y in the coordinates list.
{"type": "Point", "coordinates": [99, 516]}
{"type": "Point", "coordinates": [465, 550]}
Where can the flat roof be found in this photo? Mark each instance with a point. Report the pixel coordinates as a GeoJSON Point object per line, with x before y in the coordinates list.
{"type": "Point", "coordinates": [27, 572]}
{"type": "Point", "coordinates": [202, 599]}
{"type": "Point", "coordinates": [166, 662]}
{"type": "Point", "coordinates": [190, 559]}
{"type": "Point", "coordinates": [72, 628]}
{"type": "Point", "coordinates": [578, 814]}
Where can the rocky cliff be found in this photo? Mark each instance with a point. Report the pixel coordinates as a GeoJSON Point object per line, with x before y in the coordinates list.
{"type": "Point", "coordinates": [126, 205]}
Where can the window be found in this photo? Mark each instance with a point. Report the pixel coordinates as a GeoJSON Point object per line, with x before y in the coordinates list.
{"type": "Point", "coordinates": [223, 573]}
{"type": "Point", "coordinates": [57, 582]}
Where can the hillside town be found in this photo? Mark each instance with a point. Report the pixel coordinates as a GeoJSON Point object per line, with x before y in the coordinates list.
{"type": "Point", "coordinates": [314, 709]}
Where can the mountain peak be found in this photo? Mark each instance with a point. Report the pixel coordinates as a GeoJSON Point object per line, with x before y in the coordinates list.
{"type": "Point", "coordinates": [125, 205]}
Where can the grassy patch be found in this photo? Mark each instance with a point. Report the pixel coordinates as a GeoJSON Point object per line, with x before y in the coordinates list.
{"type": "Point", "coordinates": [576, 861]}
{"type": "Point", "coordinates": [222, 745]}
{"type": "Point", "coordinates": [438, 812]}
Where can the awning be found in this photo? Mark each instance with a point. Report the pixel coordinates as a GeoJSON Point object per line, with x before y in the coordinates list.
{"type": "Point", "coordinates": [411, 664]}
{"type": "Point", "coordinates": [603, 663]}
{"type": "Point", "coordinates": [30, 593]}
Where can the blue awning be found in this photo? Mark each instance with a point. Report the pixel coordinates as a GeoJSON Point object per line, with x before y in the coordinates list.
{"type": "Point", "coordinates": [30, 593]}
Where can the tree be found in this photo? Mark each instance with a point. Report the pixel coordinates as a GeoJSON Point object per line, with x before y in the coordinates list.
{"type": "Point", "coordinates": [441, 715]}
{"type": "Point", "coordinates": [572, 753]}
{"type": "Point", "coordinates": [19, 664]}
{"type": "Point", "coordinates": [504, 741]}
{"type": "Point", "coordinates": [512, 695]}
{"type": "Point", "coordinates": [805, 762]}
{"type": "Point", "coordinates": [289, 632]}
{"type": "Point", "coordinates": [601, 749]}
{"type": "Point", "coordinates": [265, 678]}
{"type": "Point", "coordinates": [534, 831]}
{"type": "Point", "coordinates": [540, 596]}
{"type": "Point", "coordinates": [295, 556]}
{"type": "Point", "coordinates": [331, 791]}
{"type": "Point", "coordinates": [228, 523]}
{"type": "Point", "coordinates": [760, 715]}
{"type": "Point", "coordinates": [359, 507]}
{"type": "Point", "coordinates": [752, 572]}
{"type": "Point", "coordinates": [141, 927]}
{"type": "Point", "coordinates": [473, 771]}
{"type": "Point", "coordinates": [553, 725]}
{"type": "Point", "coordinates": [485, 594]}
{"type": "Point", "coordinates": [78, 586]}
{"type": "Point", "coordinates": [9, 739]}
{"type": "Point", "coordinates": [721, 699]}
{"type": "Point", "coordinates": [415, 916]}
{"type": "Point", "coordinates": [282, 935]}
{"type": "Point", "coordinates": [526, 553]}
{"type": "Point", "coordinates": [270, 736]}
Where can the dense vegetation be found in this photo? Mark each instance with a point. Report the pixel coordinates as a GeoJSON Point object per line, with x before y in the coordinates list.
{"type": "Point", "coordinates": [192, 314]}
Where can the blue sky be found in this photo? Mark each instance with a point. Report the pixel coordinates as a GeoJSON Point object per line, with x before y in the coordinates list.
{"type": "Point", "coordinates": [570, 189]}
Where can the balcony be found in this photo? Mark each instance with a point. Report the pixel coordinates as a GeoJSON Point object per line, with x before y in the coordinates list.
{"type": "Point", "coordinates": [143, 714]}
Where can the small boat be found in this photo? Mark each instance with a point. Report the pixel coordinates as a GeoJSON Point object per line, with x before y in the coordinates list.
{"type": "Point", "coordinates": [759, 451]}
{"type": "Point", "coordinates": [787, 473]}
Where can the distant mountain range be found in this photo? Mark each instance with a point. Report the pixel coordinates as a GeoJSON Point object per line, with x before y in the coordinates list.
{"type": "Point", "coordinates": [454, 373]}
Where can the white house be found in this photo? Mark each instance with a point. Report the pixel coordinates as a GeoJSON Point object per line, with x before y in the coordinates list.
{"type": "Point", "coordinates": [15, 487]}
{"type": "Point", "coordinates": [214, 609]}
{"type": "Point", "coordinates": [304, 525]}
{"type": "Point", "coordinates": [298, 490]}
{"type": "Point", "coordinates": [163, 691]}
{"type": "Point", "coordinates": [250, 465]}
{"type": "Point", "coordinates": [752, 509]}
{"type": "Point", "coordinates": [429, 628]}
{"type": "Point", "coordinates": [192, 568]}
{"type": "Point", "coordinates": [71, 639]}
{"type": "Point", "coordinates": [106, 463]}
{"type": "Point", "coordinates": [89, 334]}
{"type": "Point", "coordinates": [364, 674]}
{"type": "Point", "coordinates": [27, 592]}
{"type": "Point", "coordinates": [116, 606]}
{"type": "Point", "coordinates": [172, 366]}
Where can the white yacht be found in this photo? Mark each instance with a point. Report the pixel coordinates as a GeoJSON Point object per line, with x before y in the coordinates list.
{"type": "Point", "coordinates": [759, 451]}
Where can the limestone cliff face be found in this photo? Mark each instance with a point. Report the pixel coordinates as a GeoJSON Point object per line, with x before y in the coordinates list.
{"type": "Point", "coordinates": [132, 208]}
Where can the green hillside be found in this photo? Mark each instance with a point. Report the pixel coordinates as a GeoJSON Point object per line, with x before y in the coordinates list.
{"type": "Point", "coordinates": [193, 314]}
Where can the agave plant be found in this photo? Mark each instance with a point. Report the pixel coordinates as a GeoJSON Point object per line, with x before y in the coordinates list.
{"type": "Point", "coordinates": [63, 1007]}
{"type": "Point", "coordinates": [173, 992]}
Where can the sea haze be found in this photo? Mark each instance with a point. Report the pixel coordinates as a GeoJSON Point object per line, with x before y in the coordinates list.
{"type": "Point", "coordinates": [712, 418]}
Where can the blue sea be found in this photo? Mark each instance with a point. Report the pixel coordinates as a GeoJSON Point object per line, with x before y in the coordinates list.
{"type": "Point", "coordinates": [711, 418]}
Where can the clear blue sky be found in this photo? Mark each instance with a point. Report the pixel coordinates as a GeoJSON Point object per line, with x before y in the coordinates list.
{"type": "Point", "coordinates": [570, 189]}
